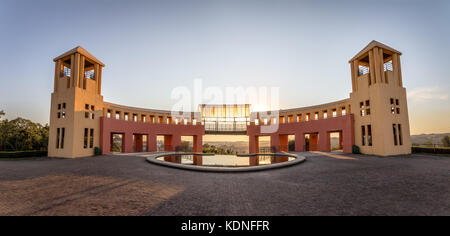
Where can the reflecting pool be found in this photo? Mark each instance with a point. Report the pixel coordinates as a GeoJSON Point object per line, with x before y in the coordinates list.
{"type": "Point", "coordinates": [226, 160]}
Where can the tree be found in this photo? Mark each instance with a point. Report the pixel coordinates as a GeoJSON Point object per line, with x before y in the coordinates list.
{"type": "Point", "coordinates": [2, 113]}
{"type": "Point", "coordinates": [186, 146]}
{"type": "Point", "coordinates": [21, 134]}
{"type": "Point", "coordinates": [446, 141]}
{"type": "Point", "coordinates": [207, 148]}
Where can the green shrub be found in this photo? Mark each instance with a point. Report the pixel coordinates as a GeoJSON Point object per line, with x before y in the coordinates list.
{"type": "Point", "coordinates": [355, 149]}
{"type": "Point", "coordinates": [446, 141]}
{"type": "Point", "coordinates": [18, 154]}
{"type": "Point", "coordinates": [97, 151]}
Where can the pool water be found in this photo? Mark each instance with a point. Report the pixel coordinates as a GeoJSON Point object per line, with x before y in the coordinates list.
{"type": "Point", "coordinates": [225, 160]}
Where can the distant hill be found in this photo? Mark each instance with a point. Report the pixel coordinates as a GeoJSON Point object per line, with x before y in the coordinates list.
{"type": "Point", "coordinates": [237, 146]}
{"type": "Point", "coordinates": [422, 139]}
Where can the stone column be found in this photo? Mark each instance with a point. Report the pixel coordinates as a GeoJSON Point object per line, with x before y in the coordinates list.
{"type": "Point", "coordinates": [372, 67]}
{"type": "Point", "coordinates": [176, 141]}
{"type": "Point", "coordinates": [100, 80]}
{"type": "Point", "coordinates": [354, 76]}
{"type": "Point", "coordinates": [346, 142]}
{"type": "Point", "coordinates": [313, 142]}
{"type": "Point", "coordinates": [275, 142]}
{"type": "Point", "coordinates": [57, 75]}
{"type": "Point", "coordinates": [378, 65]}
{"type": "Point", "coordinates": [81, 82]}
{"type": "Point", "coordinates": [382, 77]}
{"type": "Point", "coordinates": [348, 138]}
{"type": "Point", "coordinates": [400, 80]}
{"type": "Point", "coordinates": [397, 69]}
{"type": "Point", "coordinates": [96, 74]}
{"type": "Point", "coordinates": [105, 137]}
{"type": "Point", "coordinates": [74, 66]}
{"type": "Point", "coordinates": [253, 144]}
{"type": "Point", "coordinates": [299, 142]}
{"type": "Point", "coordinates": [168, 146]}
{"type": "Point", "coordinates": [198, 143]}
{"type": "Point", "coordinates": [356, 73]}
{"type": "Point", "coordinates": [151, 143]}
{"type": "Point", "coordinates": [324, 141]}
{"type": "Point", "coordinates": [283, 143]}
{"type": "Point", "coordinates": [128, 142]}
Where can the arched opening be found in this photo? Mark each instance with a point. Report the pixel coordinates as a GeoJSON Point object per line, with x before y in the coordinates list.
{"type": "Point", "coordinates": [264, 144]}
{"type": "Point", "coordinates": [311, 142]}
{"type": "Point", "coordinates": [225, 144]}
{"type": "Point", "coordinates": [336, 141]}
{"type": "Point", "coordinates": [140, 142]}
{"type": "Point", "coordinates": [117, 142]}
{"type": "Point", "coordinates": [187, 144]}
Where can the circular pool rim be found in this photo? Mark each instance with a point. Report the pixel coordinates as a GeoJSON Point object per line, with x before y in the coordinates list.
{"type": "Point", "coordinates": [153, 159]}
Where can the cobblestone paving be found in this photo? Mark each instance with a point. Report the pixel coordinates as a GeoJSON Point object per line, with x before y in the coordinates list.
{"type": "Point", "coordinates": [323, 185]}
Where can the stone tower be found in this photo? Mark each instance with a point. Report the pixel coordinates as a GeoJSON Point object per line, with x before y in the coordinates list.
{"type": "Point", "coordinates": [76, 104]}
{"type": "Point", "coordinates": [378, 101]}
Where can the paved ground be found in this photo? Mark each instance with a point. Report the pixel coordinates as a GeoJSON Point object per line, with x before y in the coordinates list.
{"type": "Point", "coordinates": [323, 185]}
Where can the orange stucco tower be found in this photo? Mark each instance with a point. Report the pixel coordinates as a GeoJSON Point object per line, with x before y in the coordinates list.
{"type": "Point", "coordinates": [80, 120]}
{"type": "Point", "coordinates": [378, 101]}
{"type": "Point", "coordinates": [76, 104]}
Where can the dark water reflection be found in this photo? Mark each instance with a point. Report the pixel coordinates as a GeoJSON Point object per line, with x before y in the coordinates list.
{"type": "Point", "coordinates": [225, 160]}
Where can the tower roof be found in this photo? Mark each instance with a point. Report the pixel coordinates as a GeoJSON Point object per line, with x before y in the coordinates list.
{"type": "Point", "coordinates": [81, 51]}
{"type": "Point", "coordinates": [372, 45]}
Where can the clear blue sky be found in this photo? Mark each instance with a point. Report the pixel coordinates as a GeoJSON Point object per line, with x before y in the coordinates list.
{"type": "Point", "coordinates": [150, 47]}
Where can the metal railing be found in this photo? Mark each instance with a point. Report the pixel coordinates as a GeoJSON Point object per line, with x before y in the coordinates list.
{"type": "Point", "coordinates": [230, 126]}
{"type": "Point", "coordinates": [264, 150]}
{"type": "Point", "coordinates": [362, 70]}
{"type": "Point", "coordinates": [183, 149]}
{"type": "Point", "coordinates": [271, 149]}
{"type": "Point", "coordinates": [89, 74]}
{"type": "Point", "coordinates": [66, 72]}
{"type": "Point", "coordinates": [388, 66]}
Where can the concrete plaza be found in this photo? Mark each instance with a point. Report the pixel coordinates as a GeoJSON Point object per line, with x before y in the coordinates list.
{"type": "Point", "coordinates": [336, 184]}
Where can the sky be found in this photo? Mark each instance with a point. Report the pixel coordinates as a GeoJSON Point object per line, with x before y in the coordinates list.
{"type": "Point", "coordinates": [152, 47]}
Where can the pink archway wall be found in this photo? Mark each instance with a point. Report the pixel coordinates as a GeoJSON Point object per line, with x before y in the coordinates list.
{"type": "Point", "coordinates": [322, 127]}
{"type": "Point", "coordinates": [172, 134]}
